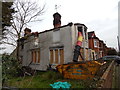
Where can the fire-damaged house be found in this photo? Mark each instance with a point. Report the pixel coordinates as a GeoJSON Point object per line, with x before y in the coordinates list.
{"type": "Point", "coordinates": [60, 45]}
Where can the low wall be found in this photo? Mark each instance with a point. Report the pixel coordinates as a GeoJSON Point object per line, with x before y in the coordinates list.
{"type": "Point", "coordinates": [106, 79]}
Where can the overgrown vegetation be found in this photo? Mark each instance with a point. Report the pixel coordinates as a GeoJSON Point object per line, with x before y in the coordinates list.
{"type": "Point", "coordinates": [112, 52]}
{"type": "Point", "coordinates": [42, 80]}
{"type": "Point", "coordinates": [10, 67]}
{"type": "Point", "coordinates": [14, 76]}
{"type": "Point", "coordinates": [7, 12]}
{"type": "Point", "coordinates": [118, 53]}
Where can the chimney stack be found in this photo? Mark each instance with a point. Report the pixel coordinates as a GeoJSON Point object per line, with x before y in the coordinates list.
{"type": "Point", "coordinates": [57, 20]}
{"type": "Point", "coordinates": [27, 31]}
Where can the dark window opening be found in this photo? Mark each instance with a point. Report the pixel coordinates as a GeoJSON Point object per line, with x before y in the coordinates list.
{"type": "Point", "coordinates": [80, 29]}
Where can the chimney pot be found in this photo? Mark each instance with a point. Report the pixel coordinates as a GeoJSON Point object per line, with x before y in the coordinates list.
{"type": "Point", "coordinates": [57, 20]}
{"type": "Point", "coordinates": [27, 31]}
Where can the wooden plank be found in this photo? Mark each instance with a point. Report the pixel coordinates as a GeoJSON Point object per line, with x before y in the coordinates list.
{"type": "Point", "coordinates": [32, 56]}
{"type": "Point", "coordinates": [87, 54]}
{"type": "Point", "coordinates": [61, 56]}
{"type": "Point", "coordinates": [80, 58]}
{"type": "Point", "coordinates": [35, 55]}
{"type": "Point", "coordinates": [51, 56]}
{"type": "Point", "coordinates": [38, 56]}
{"type": "Point", "coordinates": [56, 56]}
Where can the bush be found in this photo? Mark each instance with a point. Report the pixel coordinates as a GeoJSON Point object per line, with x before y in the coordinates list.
{"type": "Point", "coordinates": [118, 53]}
{"type": "Point", "coordinates": [112, 52]}
{"type": "Point", "coordinates": [10, 67]}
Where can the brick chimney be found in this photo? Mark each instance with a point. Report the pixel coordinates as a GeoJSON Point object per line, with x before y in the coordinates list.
{"type": "Point", "coordinates": [27, 31]}
{"type": "Point", "coordinates": [57, 20]}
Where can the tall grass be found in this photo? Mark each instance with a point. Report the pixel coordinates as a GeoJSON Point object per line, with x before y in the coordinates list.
{"type": "Point", "coordinates": [42, 80]}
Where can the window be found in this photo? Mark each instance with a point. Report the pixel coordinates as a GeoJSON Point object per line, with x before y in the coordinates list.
{"type": "Point", "coordinates": [95, 43]}
{"type": "Point", "coordinates": [36, 42]}
{"type": "Point", "coordinates": [85, 35]}
{"type": "Point", "coordinates": [35, 56]}
{"type": "Point", "coordinates": [80, 29]}
{"type": "Point", "coordinates": [56, 56]}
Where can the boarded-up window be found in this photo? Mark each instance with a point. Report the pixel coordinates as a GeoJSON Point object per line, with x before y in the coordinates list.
{"type": "Point", "coordinates": [51, 56]}
{"type": "Point", "coordinates": [35, 56]}
{"type": "Point", "coordinates": [38, 56]}
{"type": "Point", "coordinates": [87, 58]}
{"type": "Point", "coordinates": [61, 56]}
{"type": "Point", "coordinates": [81, 56]}
{"type": "Point", "coordinates": [56, 56]}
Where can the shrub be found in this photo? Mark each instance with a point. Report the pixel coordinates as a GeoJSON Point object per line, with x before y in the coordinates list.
{"type": "Point", "coordinates": [10, 67]}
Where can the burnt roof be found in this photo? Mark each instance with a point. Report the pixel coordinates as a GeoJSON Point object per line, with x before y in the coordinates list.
{"type": "Point", "coordinates": [92, 35]}
{"type": "Point", "coordinates": [81, 24]}
{"type": "Point", "coordinates": [27, 29]}
{"type": "Point", "coordinates": [69, 24]}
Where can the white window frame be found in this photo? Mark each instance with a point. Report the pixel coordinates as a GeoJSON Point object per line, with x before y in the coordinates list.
{"type": "Point", "coordinates": [95, 43]}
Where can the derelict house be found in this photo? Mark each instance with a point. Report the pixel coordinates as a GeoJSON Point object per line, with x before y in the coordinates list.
{"type": "Point", "coordinates": [54, 46]}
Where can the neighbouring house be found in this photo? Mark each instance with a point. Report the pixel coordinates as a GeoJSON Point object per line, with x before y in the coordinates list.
{"type": "Point", "coordinates": [103, 48]}
{"type": "Point", "coordinates": [97, 45]}
{"type": "Point", "coordinates": [54, 46]}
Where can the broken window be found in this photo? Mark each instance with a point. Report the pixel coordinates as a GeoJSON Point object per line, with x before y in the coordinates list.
{"type": "Point", "coordinates": [36, 42]}
{"type": "Point", "coordinates": [35, 56]}
{"type": "Point", "coordinates": [80, 29]}
{"type": "Point", "coordinates": [85, 35]}
{"type": "Point", "coordinates": [56, 56]}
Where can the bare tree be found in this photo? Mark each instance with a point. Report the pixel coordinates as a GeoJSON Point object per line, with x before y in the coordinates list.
{"type": "Point", "coordinates": [26, 11]}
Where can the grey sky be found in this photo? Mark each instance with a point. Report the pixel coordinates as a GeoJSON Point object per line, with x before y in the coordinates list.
{"type": "Point", "coordinates": [100, 16]}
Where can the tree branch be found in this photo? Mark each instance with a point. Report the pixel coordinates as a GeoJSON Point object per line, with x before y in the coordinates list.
{"type": "Point", "coordinates": [3, 42]}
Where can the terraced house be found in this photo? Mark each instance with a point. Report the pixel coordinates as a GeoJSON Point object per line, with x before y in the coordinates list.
{"type": "Point", "coordinates": [98, 46]}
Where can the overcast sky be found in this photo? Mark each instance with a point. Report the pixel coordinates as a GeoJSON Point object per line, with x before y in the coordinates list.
{"type": "Point", "coordinates": [100, 16]}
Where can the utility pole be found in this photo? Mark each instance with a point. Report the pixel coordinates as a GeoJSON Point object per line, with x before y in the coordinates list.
{"type": "Point", "coordinates": [118, 37]}
{"type": "Point", "coordinates": [118, 43]}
